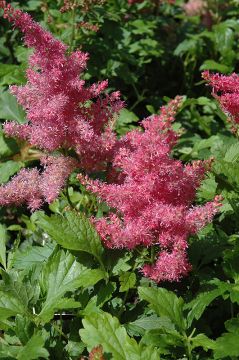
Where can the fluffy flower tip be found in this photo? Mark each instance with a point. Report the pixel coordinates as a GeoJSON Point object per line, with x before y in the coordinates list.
{"type": "Point", "coordinates": [168, 267]}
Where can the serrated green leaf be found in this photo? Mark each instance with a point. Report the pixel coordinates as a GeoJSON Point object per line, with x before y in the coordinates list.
{"type": "Point", "coordinates": [232, 154]}
{"type": "Point", "coordinates": [14, 295]}
{"type": "Point", "coordinates": [127, 281]}
{"type": "Point", "coordinates": [153, 322]}
{"type": "Point", "coordinates": [34, 349]}
{"type": "Point", "coordinates": [74, 232]}
{"type": "Point", "coordinates": [149, 353]}
{"type": "Point", "coordinates": [9, 168]}
{"type": "Point", "coordinates": [7, 146]}
{"type": "Point", "coordinates": [201, 340]}
{"type": "Point", "coordinates": [213, 65]}
{"type": "Point", "coordinates": [126, 117]}
{"type": "Point", "coordinates": [32, 255]}
{"type": "Point", "coordinates": [163, 338]}
{"type": "Point", "coordinates": [198, 305]}
{"type": "Point", "coordinates": [9, 108]}
{"type": "Point", "coordinates": [74, 348]}
{"type": "Point", "coordinates": [106, 330]}
{"type": "Point", "coordinates": [232, 325]}
{"type": "Point", "coordinates": [227, 346]}
{"type": "Point", "coordinates": [105, 293]}
{"type": "Point", "coordinates": [208, 188]}
{"type": "Point", "coordinates": [8, 351]}
{"type": "Point", "coordinates": [185, 46]}
{"type": "Point", "coordinates": [165, 303]}
{"type": "Point", "coordinates": [122, 265]}
{"type": "Point", "coordinates": [11, 74]}
{"type": "Point", "coordinates": [3, 240]}
{"type": "Point", "coordinates": [61, 274]}
{"type": "Point", "coordinates": [24, 328]}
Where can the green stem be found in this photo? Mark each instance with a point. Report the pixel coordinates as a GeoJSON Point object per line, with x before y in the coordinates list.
{"type": "Point", "coordinates": [152, 255]}
{"type": "Point", "coordinates": [187, 344]}
{"type": "Point", "coordinates": [101, 264]}
{"type": "Point", "coordinates": [60, 332]}
{"type": "Point", "coordinates": [140, 97]}
{"type": "Point", "coordinates": [68, 196]}
{"type": "Point", "coordinates": [121, 310]}
{"type": "Point", "coordinates": [72, 40]}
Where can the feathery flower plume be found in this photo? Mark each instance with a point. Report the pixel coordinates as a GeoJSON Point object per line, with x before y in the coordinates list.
{"type": "Point", "coordinates": [153, 201]}
{"type": "Point", "coordinates": [33, 187]}
{"type": "Point", "coordinates": [62, 112]}
{"type": "Point", "coordinates": [225, 88]}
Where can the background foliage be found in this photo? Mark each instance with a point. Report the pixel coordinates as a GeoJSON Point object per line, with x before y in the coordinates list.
{"type": "Point", "coordinates": [61, 293]}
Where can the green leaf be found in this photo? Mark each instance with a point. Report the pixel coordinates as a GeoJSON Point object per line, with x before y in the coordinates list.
{"type": "Point", "coordinates": [122, 264]}
{"type": "Point", "coordinates": [61, 274]}
{"type": "Point", "coordinates": [73, 232]}
{"type": "Point", "coordinates": [227, 346]}
{"type": "Point", "coordinates": [8, 351]}
{"type": "Point", "coordinates": [106, 330]}
{"type": "Point", "coordinates": [14, 296]}
{"type": "Point", "coordinates": [201, 340]}
{"type": "Point", "coordinates": [74, 348]}
{"type": "Point", "coordinates": [32, 255]}
{"type": "Point", "coordinates": [185, 46]}
{"type": "Point", "coordinates": [127, 281]}
{"type": "Point", "coordinates": [34, 349]}
{"type": "Point", "coordinates": [232, 154]}
{"type": "Point", "coordinates": [126, 117]}
{"type": "Point", "coordinates": [11, 74]}
{"type": "Point", "coordinates": [9, 108]}
{"type": "Point", "coordinates": [9, 168]}
{"type": "Point", "coordinates": [3, 240]}
{"type": "Point", "coordinates": [153, 322]}
{"type": "Point", "coordinates": [213, 65]}
{"type": "Point", "coordinates": [24, 328]}
{"type": "Point", "coordinates": [7, 146]}
{"type": "Point", "coordinates": [165, 303]}
{"type": "Point", "coordinates": [198, 305]}
{"type": "Point", "coordinates": [164, 338]}
{"type": "Point", "coordinates": [149, 353]}
{"type": "Point", "coordinates": [208, 188]}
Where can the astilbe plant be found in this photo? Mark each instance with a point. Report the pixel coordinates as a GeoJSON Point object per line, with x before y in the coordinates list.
{"type": "Point", "coordinates": [62, 112]}
{"type": "Point", "coordinates": [152, 202]}
{"type": "Point", "coordinates": [150, 193]}
{"type": "Point", "coordinates": [226, 91]}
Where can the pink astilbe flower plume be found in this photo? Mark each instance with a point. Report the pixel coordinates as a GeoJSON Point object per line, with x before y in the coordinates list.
{"type": "Point", "coordinates": [33, 187]}
{"type": "Point", "coordinates": [62, 112]}
{"type": "Point", "coordinates": [226, 91]}
{"type": "Point", "coordinates": [153, 202]}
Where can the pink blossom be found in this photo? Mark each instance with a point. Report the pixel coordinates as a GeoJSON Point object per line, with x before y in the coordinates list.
{"type": "Point", "coordinates": [33, 187]}
{"type": "Point", "coordinates": [195, 7]}
{"type": "Point", "coordinates": [53, 178]}
{"type": "Point", "coordinates": [226, 91]}
{"type": "Point", "coordinates": [168, 266]}
{"type": "Point", "coordinates": [62, 112]}
{"type": "Point", "coordinates": [152, 202]}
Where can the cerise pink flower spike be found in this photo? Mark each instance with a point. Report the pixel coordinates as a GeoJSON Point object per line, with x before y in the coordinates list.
{"type": "Point", "coordinates": [33, 187]}
{"type": "Point", "coordinates": [153, 202]}
{"type": "Point", "coordinates": [62, 112]}
{"type": "Point", "coordinates": [226, 91]}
